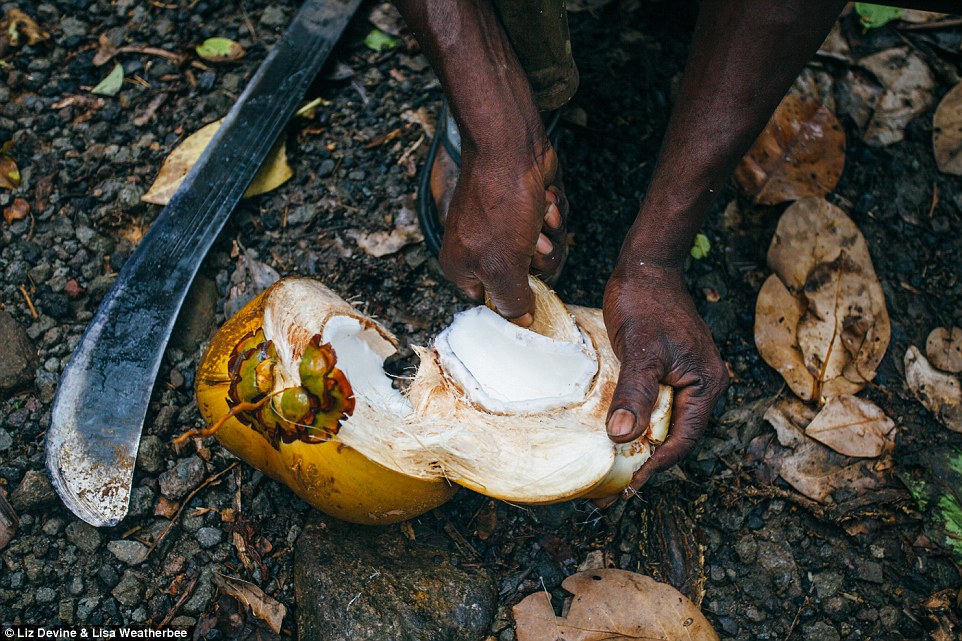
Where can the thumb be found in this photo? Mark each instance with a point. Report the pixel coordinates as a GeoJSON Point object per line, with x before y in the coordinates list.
{"type": "Point", "coordinates": [634, 399]}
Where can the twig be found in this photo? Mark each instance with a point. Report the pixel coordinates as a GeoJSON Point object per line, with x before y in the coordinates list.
{"type": "Point", "coordinates": [26, 297]}
{"type": "Point", "coordinates": [181, 601]}
{"type": "Point", "coordinates": [210, 481]}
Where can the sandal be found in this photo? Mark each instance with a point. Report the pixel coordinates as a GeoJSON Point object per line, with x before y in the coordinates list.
{"type": "Point", "coordinates": [448, 135]}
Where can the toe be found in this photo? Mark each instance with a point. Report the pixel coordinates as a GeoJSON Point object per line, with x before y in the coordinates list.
{"type": "Point", "coordinates": [544, 245]}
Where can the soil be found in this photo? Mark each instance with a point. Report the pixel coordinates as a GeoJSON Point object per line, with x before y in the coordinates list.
{"type": "Point", "coordinates": [763, 562]}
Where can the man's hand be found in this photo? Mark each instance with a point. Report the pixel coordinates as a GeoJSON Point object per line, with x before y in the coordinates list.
{"type": "Point", "coordinates": [506, 216]}
{"type": "Point", "coordinates": [659, 337]}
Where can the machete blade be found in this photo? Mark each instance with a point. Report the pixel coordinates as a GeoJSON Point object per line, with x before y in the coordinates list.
{"type": "Point", "coordinates": [99, 410]}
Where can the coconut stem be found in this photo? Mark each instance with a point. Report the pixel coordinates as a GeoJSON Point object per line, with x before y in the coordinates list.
{"type": "Point", "coordinates": [210, 431]}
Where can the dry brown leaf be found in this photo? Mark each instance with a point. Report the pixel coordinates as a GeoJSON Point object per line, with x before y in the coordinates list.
{"type": "Point", "coordinates": [854, 427]}
{"type": "Point", "coordinates": [777, 314]}
{"type": "Point", "coordinates": [944, 349]}
{"type": "Point", "coordinates": [841, 326]}
{"type": "Point", "coordinates": [609, 605]}
{"type": "Point", "coordinates": [264, 607]}
{"type": "Point", "coordinates": [947, 132]}
{"type": "Point", "coordinates": [16, 210]}
{"type": "Point", "coordinates": [406, 231]}
{"type": "Point", "coordinates": [800, 153]}
{"type": "Point", "coordinates": [835, 45]}
{"type": "Point", "coordinates": [902, 88]}
{"type": "Point", "coordinates": [939, 392]}
{"type": "Point", "coordinates": [273, 173]}
{"type": "Point", "coordinates": [20, 29]}
{"type": "Point", "coordinates": [810, 467]}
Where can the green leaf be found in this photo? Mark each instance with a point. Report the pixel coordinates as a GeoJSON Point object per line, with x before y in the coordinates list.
{"type": "Point", "coordinates": [110, 85]}
{"type": "Point", "coordinates": [378, 40]}
{"type": "Point", "coordinates": [952, 517]}
{"type": "Point", "coordinates": [701, 247]}
{"type": "Point", "coordinates": [873, 16]}
{"type": "Point", "coordinates": [220, 50]}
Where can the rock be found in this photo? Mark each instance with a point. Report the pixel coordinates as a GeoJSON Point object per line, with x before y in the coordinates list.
{"type": "Point", "coordinates": [46, 595]}
{"type": "Point", "coordinates": [273, 16]}
{"type": "Point", "coordinates": [108, 576]}
{"type": "Point", "coordinates": [346, 577]}
{"type": "Point", "coordinates": [203, 593]}
{"type": "Point", "coordinates": [185, 476]}
{"type": "Point", "coordinates": [820, 631]}
{"type": "Point", "coordinates": [827, 583]}
{"type": "Point", "coordinates": [208, 537]}
{"type": "Point", "coordinates": [84, 536]}
{"type": "Point", "coordinates": [777, 561]}
{"type": "Point", "coordinates": [198, 315]}
{"type": "Point", "coordinates": [302, 215]}
{"type": "Point", "coordinates": [150, 455]}
{"type": "Point", "coordinates": [18, 359]}
{"type": "Point", "coordinates": [869, 571]}
{"type": "Point", "coordinates": [129, 552]}
{"type": "Point", "coordinates": [34, 491]}
{"type": "Point", "coordinates": [130, 590]}
{"type": "Point", "coordinates": [5, 440]}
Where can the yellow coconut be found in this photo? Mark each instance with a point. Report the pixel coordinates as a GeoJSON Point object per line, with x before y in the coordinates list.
{"type": "Point", "coordinates": [294, 384]}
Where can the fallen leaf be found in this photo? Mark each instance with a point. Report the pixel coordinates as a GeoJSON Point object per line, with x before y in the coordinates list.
{"type": "Point", "coordinates": [387, 18]}
{"type": "Point", "coordinates": [873, 16]}
{"type": "Point", "coordinates": [273, 173]}
{"type": "Point", "coordinates": [20, 29]}
{"type": "Point", "coordinates": [377, 40]}
{"type": "Point", "coordinates": [249, 279]}
{"type": "Point", "coordinates": [947, 132]}
{"type": "Point", "coordinates": [800, 153]}
{"type": "Point", "coordinates": [938, 392]}
{"type": "Point", "coordinates": [917, 16]}
{"type": "Point", "coordinates": [382, 243]}
{"type": "Point", "coordinates": [220, 50]}
{"type": "Point", "coordinates": [830, 340]}
{"type": "Point", "coordinates": [815, 84]}
{"type": "Point", "coordinates": [9, 173]}
{"type": "Point", "coordinates": [16, 210]}
{"type": "Point", "coordinates": [899, 87]}
{"type": "Point", "coordinates": [262, 606]}
{"type": "Point", "coordinates": [110, 85]}
{"type": "Point", "coordinates": [835, 45]}
{"type": "Point", "coordinates": [944, 349]}
{"type": "Point", "coordinates": [609, 605]}
{"type": "Point", "coordinates": [420, 116]}
{"type": "Point", "coordinates": [701, 247]}
{"type": "Point", "coordinates": [854, 427]}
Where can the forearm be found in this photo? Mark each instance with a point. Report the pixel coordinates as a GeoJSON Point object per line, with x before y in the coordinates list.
{"type": "Point", "coordinates": [487, 89]}
{"type": "Point", "coordinates": [745, 55]}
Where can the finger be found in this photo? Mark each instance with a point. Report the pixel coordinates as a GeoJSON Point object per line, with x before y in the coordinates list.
{"type": "Point", "coordinates": [463, 279]}
{"type": "Point", "coordinates": [634, 398]}
{"type": "Point", "coordinates": [510, 293]}
{"type": "Point", "coordinates": [691, 411]}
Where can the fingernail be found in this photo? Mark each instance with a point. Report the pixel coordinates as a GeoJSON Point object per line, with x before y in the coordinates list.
{"type": "Point", "coordinates": [553, 217]}
{"type": "Point", "coordinates": [621, 423]}
{"type": "Point", "coordinates": [523, 321]}
{"type": "Point", "coordinates": [544, 245]}
{"type": "Point", "coordinates": [550, 197]}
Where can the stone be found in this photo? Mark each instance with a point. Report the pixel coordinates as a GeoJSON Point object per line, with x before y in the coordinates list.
{"type": "Point", "coordinates": [18, 358]}
{"type": "Point", "coordinates": [45, 595]}
{"type": "Point", "coordinates": [5, 440]}
{"type": "Point", "coordinates": [175, 483]}
{"type": "Point", "coordinates": [150, 455]}
{"type": "Point", "coordinates": [84, 536]}
{"type": "Point", "coordinates": [208, 537]}
{"type": "Point", "coordinates": [870, 571]}
{"type": "Point", "coordinates": [273, 16]}
{"type": "Point", "coordinates": [346, 577]}
{"type": "Point", "coordinates": [130, 590]}
{"type": "Point", "coordinates": [34, 491]}
{"type": "Point", "coordinates": [778, 562]}
{"type": "Point", "coordinates": [746, 548]}
{"type": "Point", "coordinates": [827, 583]}
{"type": "Point", "coordinates": [129, 552]}
{"type": "Point", "coordinates": [820, 631]}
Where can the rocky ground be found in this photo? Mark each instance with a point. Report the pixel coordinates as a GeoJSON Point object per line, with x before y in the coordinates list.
{"type": "Point", "coordinates": [764, 562]}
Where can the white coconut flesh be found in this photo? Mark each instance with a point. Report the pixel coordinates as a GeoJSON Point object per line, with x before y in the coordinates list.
{"type": "Point", "coordinates": [495, 407]}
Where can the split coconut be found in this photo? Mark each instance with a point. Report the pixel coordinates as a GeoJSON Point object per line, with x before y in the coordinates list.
{"type": "Point", "coordinates": [294, 384]}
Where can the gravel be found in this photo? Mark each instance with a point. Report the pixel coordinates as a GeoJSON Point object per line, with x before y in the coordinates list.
{"type": "Point", "coordinates": [129, 552]}
{"type": "Point", "coordinates": [187, 474]}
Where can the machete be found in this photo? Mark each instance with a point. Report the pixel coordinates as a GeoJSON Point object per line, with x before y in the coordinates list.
{"type": "Point", "coordinates": [99, 410]}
